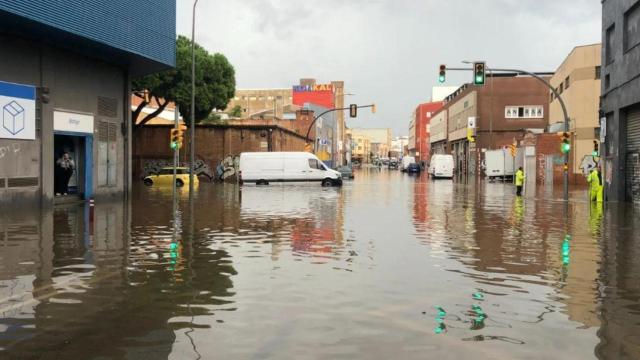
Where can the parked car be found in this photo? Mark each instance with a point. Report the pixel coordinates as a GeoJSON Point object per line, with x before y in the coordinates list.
{"type": "Point", "coordinates": [406, 161]}
{"type": "Point", "coordinates": [441, 166]}
{"type": "Point", "coordinates": [346, 171]}
{"type": "Point", "coordinates": [393, 164]}
{"type": "Point", "coordinates": [263, 168]}
{"type": "Point", "coordinates": [165, 177]}
{"type": "Point", "coordinates": [413, 168]}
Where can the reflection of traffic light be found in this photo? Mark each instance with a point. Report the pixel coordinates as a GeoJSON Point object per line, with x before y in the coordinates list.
{"type": "Point", "coordinates": [479, 73]}
{"type": "Point", "coordinates": [565, 147]}
{"type": "Point", "coordinates": [353, 110]}
{"type": "Point", "coordinates": [566, 250]}
{"type": "Point", "coordinates": [443, 74]}
{"type": "Point", "coordinates": [596, 150]}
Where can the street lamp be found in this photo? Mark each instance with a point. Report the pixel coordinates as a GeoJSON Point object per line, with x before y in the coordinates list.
{"type": "Point", "coordinates": [193, 102]}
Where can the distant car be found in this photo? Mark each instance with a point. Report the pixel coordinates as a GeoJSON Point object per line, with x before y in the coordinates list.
{"type": "Point", "coordinates": [393, 164]}
{"type": "Point", "coordinates": [441, 166]}
{"type": "Point", "coordinates": [413, 168]}
{"type": "Point", "coordinates": [165, 177]}
{"type": "Point", "coordinates": [346, 172]}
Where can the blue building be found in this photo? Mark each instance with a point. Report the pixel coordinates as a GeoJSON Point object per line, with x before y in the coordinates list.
{"type": "Point", "coordinates": [65, 75]}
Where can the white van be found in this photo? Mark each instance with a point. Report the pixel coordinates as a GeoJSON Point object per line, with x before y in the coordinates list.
{"type": "Point", "coordinates": [406, 161]}
{"type": "Point", "coordinates": [441, 166]}
{"type": "Point", "coordinates": [265, 167]}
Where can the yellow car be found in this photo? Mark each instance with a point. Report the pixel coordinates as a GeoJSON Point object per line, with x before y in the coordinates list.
{"type": "Point", "coordinates": [165, 177]}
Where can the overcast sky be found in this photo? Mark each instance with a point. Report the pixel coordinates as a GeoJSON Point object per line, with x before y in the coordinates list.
{"type": "Point", "coordinates": [386, 51]}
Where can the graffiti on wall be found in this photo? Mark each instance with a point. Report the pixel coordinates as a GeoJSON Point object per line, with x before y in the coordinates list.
{"type": "Point", "coordinates": [9, 150]}
{"type": "Point", "coordinates": [226, 169]}
{"type": "Point", "coordinates": [588, 164]}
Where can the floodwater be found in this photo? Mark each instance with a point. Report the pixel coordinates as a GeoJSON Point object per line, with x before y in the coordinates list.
{"type": "Point", "coordinates": [388, 266]}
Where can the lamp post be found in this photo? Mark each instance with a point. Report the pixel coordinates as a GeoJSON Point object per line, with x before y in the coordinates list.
{"type": "Point", "coordinates": [192, 150]}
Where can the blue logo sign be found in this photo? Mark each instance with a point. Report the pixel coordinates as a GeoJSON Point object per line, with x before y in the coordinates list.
{"type": "Point", "coordinates": [13, 117]}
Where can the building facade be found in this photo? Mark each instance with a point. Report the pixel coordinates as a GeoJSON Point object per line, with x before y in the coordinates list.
{"type": "Point", "coordinates": [439, 132]}
{"type": "Point", "coordinates": [379, 139]}
{"type": "Point", "coordinates": [262, 103]}
{"type": "Point", "coordinates": [422, 128]}
{"type": "Point", "coordinates": [70, 93]}
{"type": "Point", "coordinates": [500, 112]}
{"type": "Point", "coordinates": [620, 101]}
{"type": "Point", "coordinates": [577, 80]}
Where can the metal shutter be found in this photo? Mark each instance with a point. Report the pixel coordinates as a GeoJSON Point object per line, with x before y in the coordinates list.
{"type": "Point", "coordinates": [632, 180]}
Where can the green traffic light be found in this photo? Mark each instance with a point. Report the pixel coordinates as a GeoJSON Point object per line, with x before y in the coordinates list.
{"type": "Point", "coordinates": [479, 80]}
{"type": "Point", "coordinates": [174, 145]}
{"type": "Point", "coordinates": [441, 79]}
{"type": "Point", "coordinates": [595, 154]}
{"type": "Point", "coordinates": [566, 147]}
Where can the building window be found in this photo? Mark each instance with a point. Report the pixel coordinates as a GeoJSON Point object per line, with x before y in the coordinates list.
{"type": "Point", "coordinates": [609, 44]}
{"type": "Point", "coordinates": [236, 98]}
{"type": "Point", "coordinates": [566, 83]}
{"type": "Point", "coordinates": [561, 89]}
{"type": "Point", "coordinates": [598, 72]}
{"type": "Point", "coordinates": [253, 98]}
{"type": "Point", "coordinates": [466, 104]}
{"type": "Point", "coordinates": [607, 81]}
{"type": "Point", "coordinates": [631, 36]}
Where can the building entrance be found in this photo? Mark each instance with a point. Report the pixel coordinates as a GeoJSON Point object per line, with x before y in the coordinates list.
{"type": "Point", "coordinates": [72, 165]}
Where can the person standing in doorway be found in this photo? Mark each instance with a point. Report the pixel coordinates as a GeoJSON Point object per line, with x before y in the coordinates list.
{"type": "Point", "coordinates": [64, 169]}
{"type": "Point", "coordinates": [519, 181]}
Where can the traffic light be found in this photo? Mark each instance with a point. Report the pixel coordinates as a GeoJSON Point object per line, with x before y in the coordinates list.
{"type": "Point", "coordinates": [513, 149]}
{"type": "Point", "coordinates": [596, 150]}
{"type": "Point", "coordinates": [177, 137]}
{"type": "Point", "coordinates": [565, 147]}
{"type": "Point", "coordinates": [373, 108]}
{"type": "Point", "coordinates": [479, 74]}
{"type": "Point", "coordinates": [174, 141]}
{"type": "Point", "coordinates": [353, 110]}
{"type": "Point", "coordinates": [443, 74]}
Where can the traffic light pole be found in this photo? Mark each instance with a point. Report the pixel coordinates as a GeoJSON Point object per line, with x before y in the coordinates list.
{"type": "Point", "coordinates": [564, 112]}
{"type": "Point", "coordinates": [326, 112]}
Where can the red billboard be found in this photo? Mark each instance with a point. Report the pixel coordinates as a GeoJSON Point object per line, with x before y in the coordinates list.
{"type": "Point", "coordinates": [321, 95]}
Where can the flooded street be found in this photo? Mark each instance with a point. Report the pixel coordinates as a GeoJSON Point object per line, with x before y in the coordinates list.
{"type": "Point", "coordinates": [388, 266]}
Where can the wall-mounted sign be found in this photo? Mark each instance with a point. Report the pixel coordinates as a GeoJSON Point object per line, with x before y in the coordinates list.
{"type": "Point", "coordinates": [471, 122]}
{"type": "Point", "coordinates": [317, 87]}
{"type": "Point", "coordinates": [18, 104]}
{"type": "Point", "coordinates": [72, 122]}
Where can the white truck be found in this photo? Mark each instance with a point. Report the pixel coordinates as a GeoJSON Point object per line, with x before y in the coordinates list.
{"type": "Point", "coordinates": [263, 168]}
{"type": "Point", "coordinates": [498, 164]}
{"type": "Point", "coordinates": [406, 161]}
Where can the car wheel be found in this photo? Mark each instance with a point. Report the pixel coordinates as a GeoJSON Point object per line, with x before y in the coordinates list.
{"type": "Point", "coordinates": [179, 183]}
{"type": "Point", "coordinates": [327, 182]}
{"type": "Point", "coordinates": [148, 182]}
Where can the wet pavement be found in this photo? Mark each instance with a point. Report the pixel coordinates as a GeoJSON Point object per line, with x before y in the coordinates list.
{"type": "Point", "coordinates": [388, 266]}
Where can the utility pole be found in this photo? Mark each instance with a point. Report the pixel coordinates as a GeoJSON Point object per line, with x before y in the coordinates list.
{"type": "Point", "coordinates": [192, 166]}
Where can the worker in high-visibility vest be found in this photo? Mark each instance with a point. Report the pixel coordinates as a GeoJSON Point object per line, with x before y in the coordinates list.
{"type": "Point", "coordinates": [519, 181]}
{"type": "Point", "coordinates": [596, 187]}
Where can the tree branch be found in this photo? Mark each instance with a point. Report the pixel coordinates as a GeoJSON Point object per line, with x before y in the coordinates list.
{"type": "Point", "coordinates": [156, 112]}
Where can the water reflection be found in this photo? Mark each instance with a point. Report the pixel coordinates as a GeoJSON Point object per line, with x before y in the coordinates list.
{"type": "Point", "coordinates": [389, 266]}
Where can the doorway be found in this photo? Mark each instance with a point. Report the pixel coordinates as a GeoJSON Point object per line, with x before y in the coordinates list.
{"type": "Point", "coordinates": [79, 149]}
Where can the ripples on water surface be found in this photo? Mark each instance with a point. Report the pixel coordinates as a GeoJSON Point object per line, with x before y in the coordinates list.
{"type": "Point", "coordinates": [389, 266]}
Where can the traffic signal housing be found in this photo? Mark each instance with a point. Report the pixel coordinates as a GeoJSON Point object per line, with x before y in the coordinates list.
{"type": "Point", "coordinates": [177, 137]}
{"type": "Point", "coordinates": [479, 73]}
{"type": "Point", "coordinates": [596, 149]}
{"type": "Point", "coordinates": [353, 110]}
{"type": "Point", "coordinates": [443, 74]}
{"type": "Point", "coordinates": [565, 146]}
{"type": "Point", "coordinates": [513, 149]}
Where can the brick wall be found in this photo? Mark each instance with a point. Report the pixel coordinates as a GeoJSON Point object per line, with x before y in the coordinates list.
{"type": "Point", "coordinates": [213, 143]}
